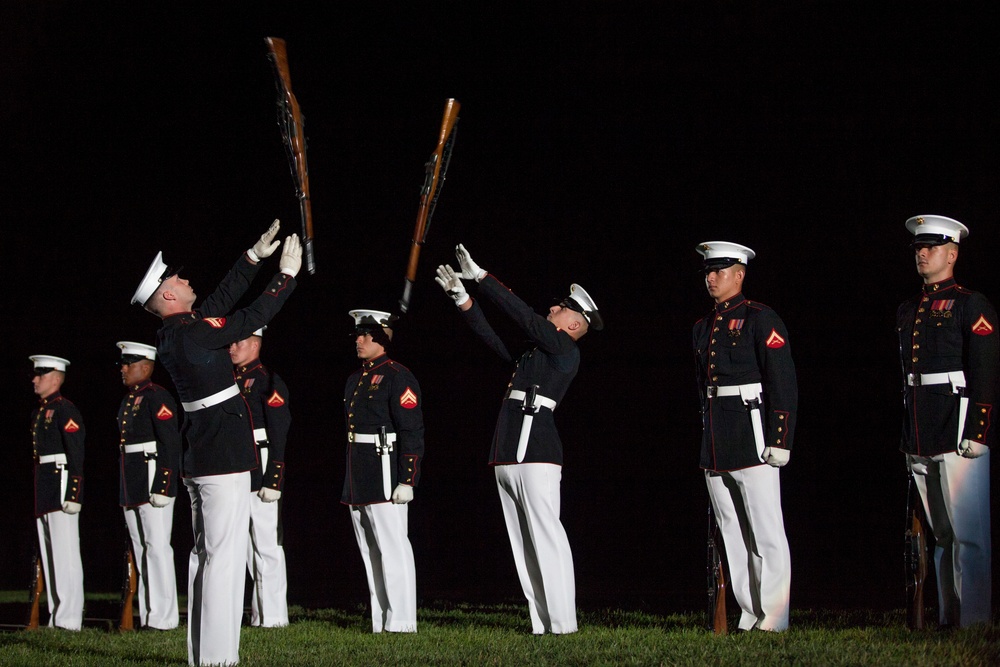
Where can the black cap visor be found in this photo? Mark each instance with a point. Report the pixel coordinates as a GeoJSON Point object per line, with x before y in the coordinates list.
{"type": "Point", "coordinates": [930, 240]}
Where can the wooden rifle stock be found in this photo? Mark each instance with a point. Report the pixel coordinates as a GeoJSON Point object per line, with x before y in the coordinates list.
{"type": "Point", "coordinates": [35, 592]}
{"type": "Point", "coordinates": [716, 581]}
{"type": "Point", "coordinates": [292, 124]}
{"type": "Point", "coordinates": [130, 583]}
{"type": "Point", "coordinates": [915, 559]}
{"type": "Point", "coordinates": [434, 173]}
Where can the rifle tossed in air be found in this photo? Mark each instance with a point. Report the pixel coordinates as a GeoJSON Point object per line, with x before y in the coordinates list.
{"type": "Point", "coordinates": [434, 172]}
{"type": "Point", "coordinates": [292, 124]}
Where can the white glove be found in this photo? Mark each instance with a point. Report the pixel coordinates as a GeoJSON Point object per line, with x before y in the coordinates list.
{"type": "Point", "coordinates": [291, 256]}
{"type": "Point", "coordinates": [916, 465]}
{"type": "Point", "coordinates": [451, 283]}
{"type": "Point", "coordinates": [158, 500]}
{"type": "Point", "coordinates": [776, 457]}
{"type": "Point", "coordinates": [268, 495]}
{"type": "Point", "coordinates": [266, 245]}
{"type": "Point", "coordinates": [402, 495]}
{"type": "Point", "coordinates": [470, 270]}
{"type": "Point", "coordinates": [71, 508]}
{"type": "Point", "coordinates": [970, 449]}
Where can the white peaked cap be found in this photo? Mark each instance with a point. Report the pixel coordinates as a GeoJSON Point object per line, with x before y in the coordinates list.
{"type": "Point", "coordinates": [379, 316]}
{"type": "Point", "coordinates": [138, 349]}
{"type": "Point", "coordinates": [936, 225]}
{"type": "Point", "coordinates": [48, 361]}
{"type": "Point", "coordinates": [154, 276]}
{"type": "Point", "coordinates": [586, 303]}
{"type": "Point", "coordinates": [717, 252]}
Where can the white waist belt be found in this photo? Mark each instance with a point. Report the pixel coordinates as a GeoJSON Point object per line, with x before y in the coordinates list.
{"type": "Point", "coordinates": [954, 378]}
{"type": "Point", "coordinates": [370, 438]}
{"type": "Point", "coordinates": [209, 401]}
{"type": "Point", "coordinates": [260, 434]}
{"type": "Point", "coordinates": [59, 459]}
{"type": "Point", "coordinates": [149, 446]}
{"type": "Point", "coordinates": [734, 390]}
{"type": "Point", "coordinates": [541, 401]}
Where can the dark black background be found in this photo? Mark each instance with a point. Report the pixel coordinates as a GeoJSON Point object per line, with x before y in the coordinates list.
{"type": "Point", "coordinates": [599, 143]}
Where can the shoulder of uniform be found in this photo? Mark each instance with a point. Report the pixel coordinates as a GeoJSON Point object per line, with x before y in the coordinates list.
{"type": "Point", "coordinates": [398, 367]}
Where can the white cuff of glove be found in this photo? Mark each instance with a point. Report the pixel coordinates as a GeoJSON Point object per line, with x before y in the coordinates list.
{"type": "Point", "coordinates": [268, 495]}
{"type": "Point", "coordinates": [71, 508]}
{"type": "Point", "coordinates": [253, 256]}
{"type": "Point", "coordinates": [158, 500]}
{"type": "Point", "coordinates": [970, 449]}
{"type": "Point", "coordinates": [290, 272]}
{"type": "Point", "coordinates": [916, 465]}
{"type": "Point", "coordinates": [402, 495]}
{"type": "Point", "coordinates": [776, 457]}
{"type": "Point", "coordinates": [462, 298]}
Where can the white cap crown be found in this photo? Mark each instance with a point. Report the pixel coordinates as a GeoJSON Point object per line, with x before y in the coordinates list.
{"type": "Point", "coordinates": [138, 349]}
{"type": "Point", "coordinates": [719, 252]}
{"type": "Point", "coordinates": [929, 226]}
{"type": "Point", "coordinates": [151, 281]}
{"type": "Point", "coordinates": [50, 362]}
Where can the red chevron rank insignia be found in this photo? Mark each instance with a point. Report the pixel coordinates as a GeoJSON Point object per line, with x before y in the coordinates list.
{"type": "Point", "coordinates": [982, 327]}
{"type": "Point", "coordinates": [216, 322]}
{"type": "Point", "coordinates": [164, 413]}
{"type": "Point", "coordinates": [774, 341]}
{"type": "Point", "coordinates": [276, 400]}
{"type": "Point", "coordinates": [71, 427]}
{"type": "Point", "coordinates": [408, 399]}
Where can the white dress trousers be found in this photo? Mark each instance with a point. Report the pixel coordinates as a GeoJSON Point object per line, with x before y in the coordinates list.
{"type": "Point", "coordinates": [530, 496]}
{"type": "Point", "coordinates": [381, 530]}
{"type": "Point", "coordinates": [59, 543]}
{"type": "Point", "coordinates": [150, 529]}
{"type": "Point", "coordinates": [747, 506]}
{"type": "Point", "coordinates": [220, 518]}
{"type": "Point", "coordinates": [266, 563]}
{"type": "Point", "coordinates": [956, 496]}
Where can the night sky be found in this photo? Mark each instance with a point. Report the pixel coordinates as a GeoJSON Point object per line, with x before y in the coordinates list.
{"type": "Point", "coordinates": [599, 143]}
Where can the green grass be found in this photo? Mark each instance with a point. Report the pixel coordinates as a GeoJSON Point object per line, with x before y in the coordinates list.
{"type": "Point", "coordinates": [483, 635]}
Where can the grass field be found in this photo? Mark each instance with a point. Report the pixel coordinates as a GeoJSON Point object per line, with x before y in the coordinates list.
{"type": "Point", "coordinates": [499, 634]}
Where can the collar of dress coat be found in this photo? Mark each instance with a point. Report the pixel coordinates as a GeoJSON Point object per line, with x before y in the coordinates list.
{"type": "Point", "coordinates": [931, 288]}
{"type": "Point", "coordinates": [729, 304]}
{"type": "Point", "coordinates": [51, 398]}
{"type": "Point", "coordinates": [136, 388]}
{"type": "Point", "coordinates": [252, 366]}
{"type": "Point", "coordinates": [377, 361]}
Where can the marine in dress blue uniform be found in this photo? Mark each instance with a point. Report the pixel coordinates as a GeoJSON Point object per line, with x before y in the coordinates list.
{"type": "Point", "coordinates": [385, 449]}
{"type": "Point", "coordinates": [526, 452]}
{"type": "Point", "coordinates": [267, 395]}
{"type": "Point", "coordinates": [149, 474]}
{"type": "Point", "coordinates": [57, 437]}
{"type": "Point", "coordinates": [950, 356]}
{"type": "Point", "coordinates": [749, 398]}
{"type": "Point", "coordinates": [193, 345]}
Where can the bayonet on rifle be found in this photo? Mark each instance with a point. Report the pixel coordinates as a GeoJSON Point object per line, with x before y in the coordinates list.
{"type": "Point", "coordinates": [434, 172]}
{"type": "Point", "coordinates": [292, 124]}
